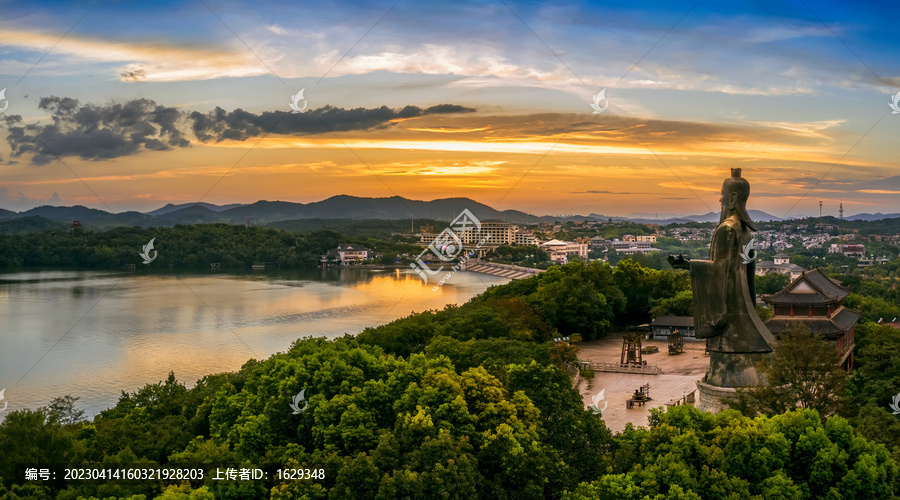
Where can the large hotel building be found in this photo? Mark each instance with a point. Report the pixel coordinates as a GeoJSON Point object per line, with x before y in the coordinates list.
{"type": "Point", "coordinates": [495, 233]}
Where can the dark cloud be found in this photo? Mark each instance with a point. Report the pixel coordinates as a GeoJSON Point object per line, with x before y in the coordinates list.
{"type": "Point", "coordinates": [890, 182]}
{"type": "Point", "coordinates": [447, 108]}
{"type": "Point", "coordinates": [134, 76]}
{"type": "Point", "coordinates": [239, 125]}
{"type": "Point", "coordinates": [10, 162]}
{"type": "Point", "coordinates": [94, 132]}
{"type": "Point", "coordinates": [881, 185]}
{"type": "Point", "coordinates": [833, 188]}
{"type": "Point", "coordinates": [831, 184]}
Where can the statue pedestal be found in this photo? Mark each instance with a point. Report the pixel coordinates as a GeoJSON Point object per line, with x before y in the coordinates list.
{"type": "Point", "coordinates": [711, 397]}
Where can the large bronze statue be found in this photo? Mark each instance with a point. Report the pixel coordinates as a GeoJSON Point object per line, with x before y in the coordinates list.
{"type": "Point", "coordinates": [724, 297]}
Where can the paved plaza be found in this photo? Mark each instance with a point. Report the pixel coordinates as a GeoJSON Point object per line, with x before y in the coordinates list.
{"type": "Point", "coordinates": [680, 373]}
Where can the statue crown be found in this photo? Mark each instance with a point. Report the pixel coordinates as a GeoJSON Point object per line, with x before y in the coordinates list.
{"type": "Point", "coordinates": [736, 172]}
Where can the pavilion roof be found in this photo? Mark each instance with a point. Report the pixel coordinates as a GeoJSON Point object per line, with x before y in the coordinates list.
{"type": "Point", "coordinates": [810, 288]}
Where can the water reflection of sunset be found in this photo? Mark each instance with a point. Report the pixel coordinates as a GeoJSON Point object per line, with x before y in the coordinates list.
{"type": "Point", "coordinates": [148, 326]}
{"type": "Point", "coordinates": [395, 285]}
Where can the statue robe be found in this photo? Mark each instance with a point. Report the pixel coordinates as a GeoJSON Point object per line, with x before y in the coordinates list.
{"type": "Point", "coordinates": [725, 309]}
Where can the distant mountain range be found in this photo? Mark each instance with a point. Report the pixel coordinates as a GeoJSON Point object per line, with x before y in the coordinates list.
{"type": "Point", "coordinates": [871, 217]}
{"type": "Point", "coordinates": [172, 208]}
{"type": "Point", "coordinates": [265, 212]}
{"type": "Point", "coordinates": [336, 207]}
{"type": "Point", "coordinates": [756, 215]}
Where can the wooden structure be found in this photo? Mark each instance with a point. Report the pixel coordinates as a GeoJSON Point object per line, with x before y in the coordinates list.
{"type": "Point", "coordinates": [631, 349]}
{"type": "Point", "coordinates": [640, 396]}
{"type": "Point", "coordinates": [818, 302]}
{"type": "Point", "coordinates": [676, 343]}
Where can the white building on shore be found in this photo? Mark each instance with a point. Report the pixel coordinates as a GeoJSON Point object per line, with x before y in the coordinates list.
{"type": "Point", "coordinates": [559, 251]}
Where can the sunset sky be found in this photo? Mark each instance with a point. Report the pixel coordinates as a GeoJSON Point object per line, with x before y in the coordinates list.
{"type": "Point", "coordinates": [125, 105]}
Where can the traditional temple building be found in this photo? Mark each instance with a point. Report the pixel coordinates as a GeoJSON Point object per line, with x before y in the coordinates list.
{"type": "Point", "coordinates": [818, 302]}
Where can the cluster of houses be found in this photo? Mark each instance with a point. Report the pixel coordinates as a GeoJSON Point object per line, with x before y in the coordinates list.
{"type": "Point", "coordinates": [855, 251]}
{"type": "Point", "coordinates": [504, 233]}
{"type": "Point", "coordinates": [683, 234]}
{"type": "Point", "coordinates": [781, 263]}
{"type": "Point", "coordinates": [494, 233]}
{"type": "Point", "coordinates": [630, 244]}
{"type": "Point", "coordinates": [858, 252]}
{"type": "Point", "coordinates": [772, 240]}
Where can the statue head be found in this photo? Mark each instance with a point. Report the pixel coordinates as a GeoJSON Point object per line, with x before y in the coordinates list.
{"type": "Point", "coordinates": [735, 191]}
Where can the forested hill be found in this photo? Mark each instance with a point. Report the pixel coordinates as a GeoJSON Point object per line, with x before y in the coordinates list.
{"type": "Point", "coordinates": [264, 212]}
{"type": "Point", "coordinates": [469, 402]}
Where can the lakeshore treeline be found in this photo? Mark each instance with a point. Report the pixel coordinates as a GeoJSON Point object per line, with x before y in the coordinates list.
{"type": "Point", "coordinates": [186, 247]}
{"type": "Point", "coordinates": [470, 402]}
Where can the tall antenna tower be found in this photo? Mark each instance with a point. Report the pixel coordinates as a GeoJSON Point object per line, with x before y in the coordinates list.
{"type": "Point", "coordinates": [841, 211]}
{"type": "Point", "coordinates": [820, 208]}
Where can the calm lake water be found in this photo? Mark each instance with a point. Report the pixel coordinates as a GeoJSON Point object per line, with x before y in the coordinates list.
{"type": "Point", "coordinates": [96, 334]}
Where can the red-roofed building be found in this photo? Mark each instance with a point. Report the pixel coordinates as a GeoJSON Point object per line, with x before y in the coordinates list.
{"type": "Point", "coordinates": [818, 302]}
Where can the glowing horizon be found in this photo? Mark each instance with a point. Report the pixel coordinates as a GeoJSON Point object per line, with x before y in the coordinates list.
{"type": "Point", "coordinates": [472, 106]}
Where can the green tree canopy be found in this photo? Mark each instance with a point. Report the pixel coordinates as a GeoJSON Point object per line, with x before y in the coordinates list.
{"type": "Point", "coordinates": [771, 283]}
{"type": "Point", "coordinates": [803, 371]}
{"type": "Point", "coordinates": [687, 453]}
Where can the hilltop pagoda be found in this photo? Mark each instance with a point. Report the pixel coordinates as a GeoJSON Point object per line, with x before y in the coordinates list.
{"type": "Point", "coordinates": [818, 302]}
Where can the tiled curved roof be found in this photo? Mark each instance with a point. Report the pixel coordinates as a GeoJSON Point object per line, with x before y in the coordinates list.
{"type": "Point", "coordinates": [805, 299]}
{"type": "Point", "coordinates": [825, 285]}
{"type": "Point", "coordinates": [824, 291]}
{"type": "Point", "coordinates": [845, 318]}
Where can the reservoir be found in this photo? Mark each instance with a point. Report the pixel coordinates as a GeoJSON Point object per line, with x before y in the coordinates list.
{"type": "Point", "coordinates": [94, 334]}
